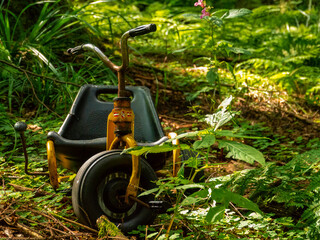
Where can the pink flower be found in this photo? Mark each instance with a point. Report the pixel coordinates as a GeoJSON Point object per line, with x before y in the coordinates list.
{"type": "Point", "coordinates": [204, 12]}
{"type": "Point", "coordinates": [200, 3]}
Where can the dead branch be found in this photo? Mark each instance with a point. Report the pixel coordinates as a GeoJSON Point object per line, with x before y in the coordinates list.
{"type": "Point", "coordinates": [47, 227]}
{"type": "Point", "coordinates": [37, 192]}
{"type": "Point", "coordinates": [177, 119]}
{"type": "Point", "coordinates": [75, 223]}
{"type": "Point", "coordinates": [237, 210]}
{"type": "Point", "coordinates": [50, 216]}
{"type": "Point", "coordinates": [23, 228]}
{"type": "Point", "coordinates": [306, 120]}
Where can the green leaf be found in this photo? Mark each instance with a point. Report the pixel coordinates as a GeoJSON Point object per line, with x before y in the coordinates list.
{"type": "Point", "coordinates": [220, 118]}
{"type": "Point", "coordinates": [189, 186]}
{"type": "Point", "coordinates": [189, 201]}
{"type": "Point", "coordinates": [225, 196]}
{"type": "Point", "coordinates": [231, 70]}
{"type": "Point", "coordinates": [205, 142]}
{"type": "Point", "coordinates": [195, 197]}
{"type": "Point", "coordinates": [242, 152]}
{"type": "Point", "coordinates": [216, 21]}
{"type": "Point", "coordinates": [187, 135]}
{"type": "Point", "coordinates": [234, 13]}
{"type": "Point", "coordinates": [215, 214]}
{"type": "Point", "coordinates": [153, 190]}
{"type": "Point", "coordinates": [229, 133]}
{"type": "Point", "coordinates": [180, 50]}
{"type": "Point", "coordinates": [166, 147]}
{"type": "Point", "coordinates": [152, 235]}
{"type": "Point", "coordinates": [196, 94]}
{"type": "Point", "coordinates": [237, 50]}
{"type": "Point", "coordinates": [212, 76]}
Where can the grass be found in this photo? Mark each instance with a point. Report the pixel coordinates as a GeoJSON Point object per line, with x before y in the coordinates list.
{"type": "Point", "coordinates": [268, 56]}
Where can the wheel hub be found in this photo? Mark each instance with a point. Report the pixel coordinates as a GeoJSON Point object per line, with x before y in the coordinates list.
{"type": "Point", "coordinates": [111, 193]}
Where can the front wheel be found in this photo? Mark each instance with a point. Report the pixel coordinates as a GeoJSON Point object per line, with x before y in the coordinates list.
{"type": "Point", "coordinates": [100, 186]}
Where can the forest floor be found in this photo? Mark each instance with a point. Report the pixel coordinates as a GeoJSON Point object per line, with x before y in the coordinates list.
{"type": "Point", "coordinates": [256, 106]}
{"type": "Point", "coordinates": [23, 220]}
{"type": "Point", "coordinates": [290, 119]}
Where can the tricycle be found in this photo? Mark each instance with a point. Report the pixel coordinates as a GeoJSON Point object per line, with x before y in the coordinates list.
{"type": "Point", "coordinates": [92, 138]}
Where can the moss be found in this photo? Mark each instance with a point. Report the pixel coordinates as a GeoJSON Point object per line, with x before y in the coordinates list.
{"type": "Point", "coordinates": [108, 228]}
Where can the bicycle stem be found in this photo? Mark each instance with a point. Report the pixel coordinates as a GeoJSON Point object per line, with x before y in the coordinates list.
{"type": "Point", "coordinates": [125, 64]}
{"type": "Point", "coordinates": [119, 69]}
{"type": "Point", "coordinates": [141, 30]}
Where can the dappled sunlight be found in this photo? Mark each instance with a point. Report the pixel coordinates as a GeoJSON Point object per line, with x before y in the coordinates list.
{"type": "Point", "coordinates": [238, 82]}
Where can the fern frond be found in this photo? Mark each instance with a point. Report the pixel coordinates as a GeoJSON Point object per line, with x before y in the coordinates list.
{"type": "Point", "coordinates": [312, 214]}
{"type": "Point", "coordinates": [299, 59]}
{"type": "Point", "coordinates": [258, 63]}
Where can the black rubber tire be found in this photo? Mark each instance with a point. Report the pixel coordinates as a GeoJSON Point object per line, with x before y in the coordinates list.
{"type": "Point", "coordinates": [100, 180]}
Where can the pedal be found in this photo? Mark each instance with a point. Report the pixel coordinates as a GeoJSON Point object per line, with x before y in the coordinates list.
{"type": "Point", "coordinates": [160, 206]}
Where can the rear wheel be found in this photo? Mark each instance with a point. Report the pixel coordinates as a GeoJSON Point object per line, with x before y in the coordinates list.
{"type": "Point", "coordinates": [100, 186]}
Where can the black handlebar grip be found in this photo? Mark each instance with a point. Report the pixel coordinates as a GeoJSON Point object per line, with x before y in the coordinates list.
{"type": "Point", "coordinates": [141, 30]}
{"type": "Point", "coordinates": [20, 126]}
{"type": "Point", "coordinates": [76, 50]}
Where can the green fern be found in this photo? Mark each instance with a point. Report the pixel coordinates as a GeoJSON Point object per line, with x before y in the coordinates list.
{"type": "Point", "coordinates": [258, 63]}
{"type": "Point", "coordinates": [291, 190]}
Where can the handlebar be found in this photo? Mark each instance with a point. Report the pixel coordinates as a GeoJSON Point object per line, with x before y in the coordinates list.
{"type": "Point", "coordinates": [76, 50]}
{"type": "Point", "coordinates": [138, 31]}
{"type": "Point", "coordinates": [141, 30]}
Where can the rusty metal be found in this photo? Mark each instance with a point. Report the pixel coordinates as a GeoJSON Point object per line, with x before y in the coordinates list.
{"type": "Point", "coordinates": [26, 158]}
{"type": "Point", "coordinates": [137, 200]}
{"type": "Point", "coordinates": [101, 55]}
{"type": "Point", "coordinates": [119, 69]}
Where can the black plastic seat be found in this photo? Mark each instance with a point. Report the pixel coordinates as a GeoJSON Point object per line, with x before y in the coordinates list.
{"type": "Point", "coordinates": [83, 132]}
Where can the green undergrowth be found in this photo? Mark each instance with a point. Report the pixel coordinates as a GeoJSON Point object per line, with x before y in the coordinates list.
{"type": "Point", "coordinates": [267, 52]}
{"type": "Point", "coordinates": [28, 204]}
{"type": "Point", "coordinates": [227, 206]}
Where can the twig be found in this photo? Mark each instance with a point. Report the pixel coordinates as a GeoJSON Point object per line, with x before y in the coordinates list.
{"type": "Point", "coordinates": [36, 96]}
{"type": "Point", "coordinates": [38, 75]}
{"type": "Point", "coordinates": [177, 119]}
{"type": "Point", "coordinates": [76, 223]}
{"type": "Point", "coordinates": [46, 226]}
{"type": "Point", "coordinates": [37, 192]}
{"type": "Point", "coordinates": [3, 211]}
{"type": "Point", "coordinates": [23, 228]}
{"type": "Point", "coordinates": [298, 116]}
{"type": "Point", "coordinates": [234, 207]}
{"type": "Point", "coordinates": [50, 216]}
{"type": "Point", "coordinates": [7, 231]}
{"type": "Point", "coordinates": [26, 72]}
{"type": "Point", "coordinates": [162, 227]}
{"type": "Point", "coordinates": [170, 226]}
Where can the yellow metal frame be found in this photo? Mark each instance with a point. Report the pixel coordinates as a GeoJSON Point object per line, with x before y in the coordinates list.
{"type": "Point", "coordinates": [118, 116]}
{"type": "Point", "coordinates": [120, 124]}
{"type": "Point", "coordinates": [176, 154]}
{"type": "Point", "coordinates": [52, 165]}
{"type": "Point", "coordinates": [123, 115]}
